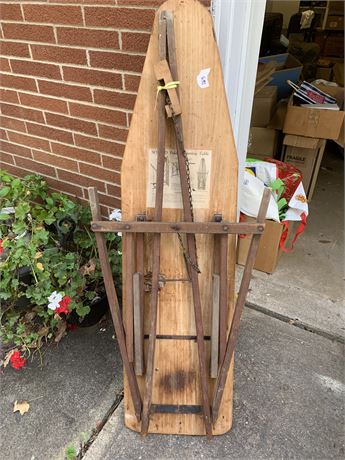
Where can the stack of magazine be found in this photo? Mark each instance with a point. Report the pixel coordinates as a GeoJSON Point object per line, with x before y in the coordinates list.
{"type": "Point", "coordinates": [308, 95]}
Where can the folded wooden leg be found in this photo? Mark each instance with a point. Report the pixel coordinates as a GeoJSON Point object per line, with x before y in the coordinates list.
{"type": "Point", "coordinates": [223, 294]}
{"type": "Point", "coordinates": [114, 305]}
{"type": "Point", "coordinates": [235, 325]}
{"type": "Point", "coordinates": [215, 327]}
{"type": "Point", "coordinates": [138, 303]}
{"type": "Point", "coordinates": [128, 240]}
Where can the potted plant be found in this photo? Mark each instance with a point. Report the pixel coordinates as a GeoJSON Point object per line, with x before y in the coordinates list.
{"type": "Point", "coordinates": [50, 271]}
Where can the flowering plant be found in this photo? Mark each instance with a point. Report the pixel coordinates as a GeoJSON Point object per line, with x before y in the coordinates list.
{"type": "Point", "coordinates": [49, 268]}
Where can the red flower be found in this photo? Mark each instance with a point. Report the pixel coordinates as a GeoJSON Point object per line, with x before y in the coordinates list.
{"type": "Point", "coordinates": [1, 248]}
{"type": "Point", "coordinates": [16, 360]}
{"type": "Point", "coordinates": [63, 305]}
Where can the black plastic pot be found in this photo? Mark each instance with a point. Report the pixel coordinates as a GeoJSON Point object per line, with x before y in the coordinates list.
{"type": "Point", "coordinates": [98, 309]}
{"type": "Point", "coordinates": [25, 277]}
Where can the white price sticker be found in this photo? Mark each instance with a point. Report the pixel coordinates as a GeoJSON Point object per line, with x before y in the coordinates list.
{"type": "Point", "coordinates": [202, 78]}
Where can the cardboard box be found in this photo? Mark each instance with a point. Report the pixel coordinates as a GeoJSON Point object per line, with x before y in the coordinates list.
{"type": "Point", "coordinates": [335, 91]}
{"type": "Point", "coordinates": [333, 44]}
{"type": "Point", "coordinates": [262, 142]}
{"type": "Point", "coordinates": [263, 106]}
{"type": "Point", "coordinates": [278, 119]}
{"type": "Point", "coordinates": [288, 68]}
{"type": "Point", "coordinates": [338, 72]}
{"type": "Point", "coordinates": [334, 22]}
{"type": "Point", "coordinates": [338, 93]}
{"type": "Point", "coordinates": [324, 72]}
{"type": "Point", "coordinates": [305, 153]}
{"type": "Point", "coordinates": [335, 7]}
{"type": "Point", "coordinates": [268, 253]}
{"type": "Point", "coordinates": [312, 122]}
{"type": "Point", "coordinates": [341, 141]}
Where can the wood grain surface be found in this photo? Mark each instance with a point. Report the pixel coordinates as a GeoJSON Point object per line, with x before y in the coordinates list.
{"type": "Point", "coordinates": [206, 126]}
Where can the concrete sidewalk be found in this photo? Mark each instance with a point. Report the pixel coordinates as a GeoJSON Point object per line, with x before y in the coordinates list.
{"type": "Point", "coordinates": [69, 395]}
{"type": "Point", "coordinates": [289, 403]}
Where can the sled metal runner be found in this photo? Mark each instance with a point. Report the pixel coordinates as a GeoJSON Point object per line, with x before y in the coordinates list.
{"type": "Point", "coordinates": [130, 335]}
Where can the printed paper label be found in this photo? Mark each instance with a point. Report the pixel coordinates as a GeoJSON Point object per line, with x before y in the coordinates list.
{"type": "Point", "coordinates": [200, 169]}
{"type": "Point", "coordinates": [202, 78]}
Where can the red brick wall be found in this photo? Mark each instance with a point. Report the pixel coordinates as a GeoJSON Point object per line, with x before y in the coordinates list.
{"type": "Point", "coordinates": [70, 70]}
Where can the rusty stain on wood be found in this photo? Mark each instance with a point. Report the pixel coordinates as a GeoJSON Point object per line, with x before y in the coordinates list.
{"type": "Point", "coordinates": [177, 380]}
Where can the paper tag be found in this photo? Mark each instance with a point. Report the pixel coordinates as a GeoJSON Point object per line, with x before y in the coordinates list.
{"type": "Point", "coordinates": [202, 78]}
{"type": "Point", "coordinates": [200, 178]}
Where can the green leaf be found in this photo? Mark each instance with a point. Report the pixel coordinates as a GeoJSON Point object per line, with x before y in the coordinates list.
{"type": "Point", "coordinates": [22, 209]}
{"type": "Point", "coordinates": [82, 310]}
{"type": "Point", "coordinates": [4, 191]}
{"type": "Point", "coordinates": [15, 283]}
{"type": "Point", "coordinates": [4, 177]}
{"type": "Point", "coordinates": [4, 216]}
{"type": "Point", "coordinates": [70, 452]}
{"type": "Point", "coordinates": [49, 220]}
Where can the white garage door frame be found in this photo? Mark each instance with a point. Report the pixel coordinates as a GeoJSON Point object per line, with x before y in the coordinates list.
{"type": "Point", "coordinates": [238, 27]}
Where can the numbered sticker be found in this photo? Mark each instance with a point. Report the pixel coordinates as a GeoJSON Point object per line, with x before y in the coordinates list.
{"type": "Point", "coordinates": [202, 78]}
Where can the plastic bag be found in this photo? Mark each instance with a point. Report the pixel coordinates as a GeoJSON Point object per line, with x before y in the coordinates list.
{"type": "Point", "coordinates": [263, 170]}
{"type": "Point", "coordinates": [297, 211]}
{"type": "Point", "coordinates": [289, 174]}
{"type": "Point", "coordinates": [250, 199]}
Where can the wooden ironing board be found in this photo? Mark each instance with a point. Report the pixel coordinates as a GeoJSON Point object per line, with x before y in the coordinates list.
{"type": "Point", "coordinates": [206, 126]}
{"type": "Point", "coordinates": [174, 375]}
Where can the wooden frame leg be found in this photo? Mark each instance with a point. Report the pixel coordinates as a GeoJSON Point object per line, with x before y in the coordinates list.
{"type": "Point", "coordinates": [235, 325]}
{"type": "Point", "coordinates": [128, 240]}
{"type": "Point", "coordinates": [215, 328]}
{"type": "Point", "coordinates": [114, 305]}
{"type": "Point", "coordinates": [223, 294]}
{"type": "Point", "coordinates": [138, 324]}
{"type": "Point", "coordinates": [138, 303]}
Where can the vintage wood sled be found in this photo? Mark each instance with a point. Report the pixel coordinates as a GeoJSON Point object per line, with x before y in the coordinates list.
{"type": "Point", "coordinates": [180, 319]}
